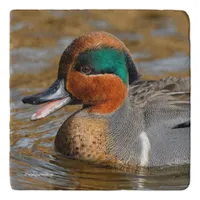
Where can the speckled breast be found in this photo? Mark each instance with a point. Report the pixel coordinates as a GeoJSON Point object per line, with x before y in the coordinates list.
{"type": "Point", "coordinates": [82, 138]}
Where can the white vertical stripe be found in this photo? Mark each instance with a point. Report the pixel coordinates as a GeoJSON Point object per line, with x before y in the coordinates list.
{"type": "Point", "coordinates": [145, 148]}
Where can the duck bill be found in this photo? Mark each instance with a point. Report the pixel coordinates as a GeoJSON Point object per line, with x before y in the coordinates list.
{"type": "Point", "coordinates": [55, 98]}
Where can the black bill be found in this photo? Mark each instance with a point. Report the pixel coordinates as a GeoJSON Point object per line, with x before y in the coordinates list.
{"type": "Point", "coordinates": [55, 95]}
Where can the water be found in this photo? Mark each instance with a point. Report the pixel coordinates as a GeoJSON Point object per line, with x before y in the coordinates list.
{"type": "Point", "coordinates": [34, 163]}
{"type": "Point", "coordinates": [177, 62]}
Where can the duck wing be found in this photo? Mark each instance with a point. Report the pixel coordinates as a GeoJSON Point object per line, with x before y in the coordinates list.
{"type": "Point", "coordinates": [166, 107]}
{"type": "Point", "coordinates": [165, 101]}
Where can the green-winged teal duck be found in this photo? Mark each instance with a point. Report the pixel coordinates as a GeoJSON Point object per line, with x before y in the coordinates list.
{"type": "Point", "coordinates": [124, 121]}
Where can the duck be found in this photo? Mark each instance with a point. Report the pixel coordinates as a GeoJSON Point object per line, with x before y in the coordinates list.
{"type": "Point", "coordinates": [125, 121]}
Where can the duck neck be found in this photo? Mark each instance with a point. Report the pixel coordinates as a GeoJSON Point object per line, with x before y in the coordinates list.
{"type": "Point", "coordinates": [111, 105]}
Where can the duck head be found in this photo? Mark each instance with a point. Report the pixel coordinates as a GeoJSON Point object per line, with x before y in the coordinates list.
{"type": "Point", "coordinates": [95, 69]}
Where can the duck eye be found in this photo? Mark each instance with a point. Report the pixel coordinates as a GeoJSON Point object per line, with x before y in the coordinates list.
{"type": "Point", "coordinates": [85, 69]}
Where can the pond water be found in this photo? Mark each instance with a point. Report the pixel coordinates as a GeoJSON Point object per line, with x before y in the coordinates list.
{"type": "Point", "coordinates": [34, 164]}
